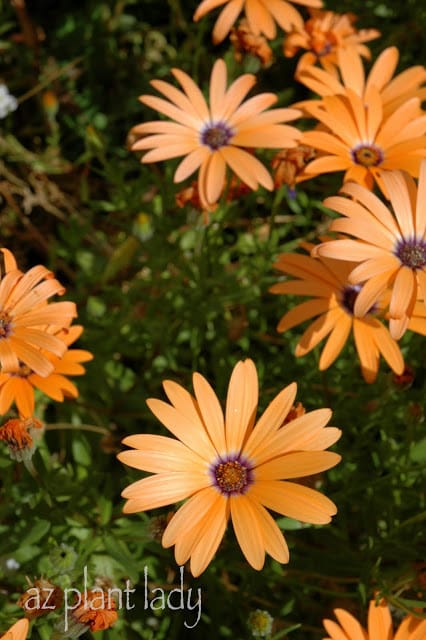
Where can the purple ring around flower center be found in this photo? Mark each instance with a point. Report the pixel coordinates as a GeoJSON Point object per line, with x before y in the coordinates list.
{"type": "Point", "coordinates": [412, 253]}
{"type": "Point", "coordinates": [216, 135]}
{"type": "Point", "coordinates": [367, 155]}
{"type": "Point", "coordinates": [232, 475]}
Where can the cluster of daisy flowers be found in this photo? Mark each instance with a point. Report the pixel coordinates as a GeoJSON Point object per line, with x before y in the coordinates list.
{"type": "Point", "coordinates": [35, 339]}
{"type": "Point", "coordinates": [369, 280]}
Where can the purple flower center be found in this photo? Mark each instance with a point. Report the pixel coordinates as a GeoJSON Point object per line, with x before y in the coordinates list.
{"type": "Point", "coordinates": [232, 475]}
{"type": "Point", "coordinates": [216, 135]}
{"type": "Point", "coordinates": [412, 253]}
{"type": "Point", "coordinates": [5, 324]}
{"type": "Point", "coordinates": [349, 294]}
{"type": "Point", "coordinates": [367, 155]}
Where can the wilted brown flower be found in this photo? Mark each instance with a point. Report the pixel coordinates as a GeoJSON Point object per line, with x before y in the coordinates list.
{"type": "Point", "coordinates": [18, 434]}
{"type": "Point", "coordinates": [288, 165]}
{"type": "Point", "coordinates": [245, 41]}
{"type": "Point", "coordinates": [40, 598]}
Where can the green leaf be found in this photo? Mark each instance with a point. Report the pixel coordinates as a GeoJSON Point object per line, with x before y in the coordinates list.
{"type": "Point", "coordinates": [36, 533]}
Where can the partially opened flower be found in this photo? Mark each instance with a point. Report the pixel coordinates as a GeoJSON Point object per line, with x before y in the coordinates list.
{"type": "Point", "coordinates": [361, 141]}
{"type": "Point", "coordinates": [390, 248]}
{"type": "Point", "coordinates": [21, 436]}
{"type": "Point", "coordinates": [333, 296]}
{"type": "Point", "coordinates": [350, 74]}
{"type": "Point", "coordinates": [245, 41]}
{"type": "Point", "coordinates": [379, 626]}
{"type": "Point", "coordinates": [17, 631]}
{"type": "Point", "coordinates": [25, 318]}
{"type": "Point", "coordinates": [212, 137]}
{"type": "Point", "coordinates": [229, 466]}
{"type": "Point", "coordinates": [262, 15]}
{"type": "Point", "coordinates": [97, 612]}
{"type": "Point", "coordinates": [19, 387]}
{"type": "Point", "coordinates": [323, 35]}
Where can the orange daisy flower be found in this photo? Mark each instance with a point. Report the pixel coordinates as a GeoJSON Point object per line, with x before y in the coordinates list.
{"type": "Point", "coordinates": [21, 435]}
{"type": "Point", "coordinates": [229, 467]}
{"type": "Point", "coordinates": [350, 74]}
{"type": "Point", "coordinates": [25, 314]}
{"type": "Point", "coordinates": [323, 35]}
{"type": "Point", "coordinates": [261, 15]}
{"type": "Point", "coordinates": [379, 626]}
{"type": "Point", "coordinates": [332, 305]}
{"type": "Point", "coordinates": [19, 387]}
{"type": "Point", "coordinates": [17, 631]}
{"type": "Point", "coordinates": [390, 249]}
{"type": "Point", "coordinates": [361, 141]}
{"type": "Point", "coordinates": [212, 137]}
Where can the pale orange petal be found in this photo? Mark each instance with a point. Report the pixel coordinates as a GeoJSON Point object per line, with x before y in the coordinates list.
{"type": "Point", "coordinates": [335, 631]}
{"type": "Point", "coordinates": [17, 631]}
{"type": "Point", "coordinates": [317, 331]}
{"type": "Point", "coordinates": [215, 177]}
{"type": "Point", "coordinates": [217, 89]}
{"type": "Point", "coordinates": [259, 18]}
{"type": "Point", "coordinates": [336, 341]}
{"type": "Point", "coordinates": [211, 534]}
{"type": "Point", "coordinates": [387, 346]}
{"type": "Point", "coordinates": [183, 401]}
{"type": "Point", "coordinates": [192, 511]}
{"type": "Point", "coordinates": [272, 418]}
{"type": "Point", "coordinates": [241, 405]}
{"type": "Point", "coordinates": [55, 386]}
{"type": "Point", "coordinates": [420, 222]}
{"type": "Point", "coordinates": [9, 260]}
{"type": "Point", "coordinates": [297, 465]}
{"type": "Point", "coordinates": [235, 95]}
{"type": "Point", "coordinates": [267, 136]}
{"type": "Point", "coordinates": [404, 293]}
{"type": "Point", "coordinates": [304, 311]}
{"type": "Point", "coordinates": [56, 313]}
{"type": "Point", "coordinates": [421, 282]}
{"type": "Point", "coordinates": [39, 294]}
{"type": "Point", "coordinates": [190, 433]}
{"type": "Point", "coordinates": [379, 621]}
{"type": "Point", "coordinates": [371, 292]}
{"type": "Point", "coordinates": [291, 436]}
{"type": "Point", "coordinates": [398, 326]}
{"type": "Point", "coordinates": [374, 267]}
{"type": "Point", "coordinates": [169, 110]}
{"type": "Point", "coordinates": [211, 412]}
{"type": "Point", "coordinates": [190, 163]}
{"type": "Point", "coordinates": [293, 500]}
{"type": "Point", "coordinates": [273, 539]}
{"type": "Point", "coordinates": [226, 19]}
{"type": "Point", "coordinates": [194, 93]}
{"type": "Point", "coordinates": [352, 250]}
{"type": "Point", "coordinates": [351, 626]}
{"type": "Point", "coordinates": [8, 358]}
{"type": "Point", "coordinates": [247, 528]}
{"type": "Point", "coordinates": [251, 108]}
{"type": "Point", "coordinates": [367, 351]}
{"type": "Point", "coordinates": [157, 454]}
{"type": "Point", "coordinates": [248, 168]}
{"type": "Point", "coordinates": [396, 186]}
{"type": "Point", "coordinates": [162, 489]}
{"type": "Point", "coordinates": [40, 339]}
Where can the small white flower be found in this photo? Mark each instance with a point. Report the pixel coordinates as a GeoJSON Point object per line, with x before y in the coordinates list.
{"type": "Point", "coordinates": [12, 564]}
{"type": "Point", "coordinates": [8, 103]}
